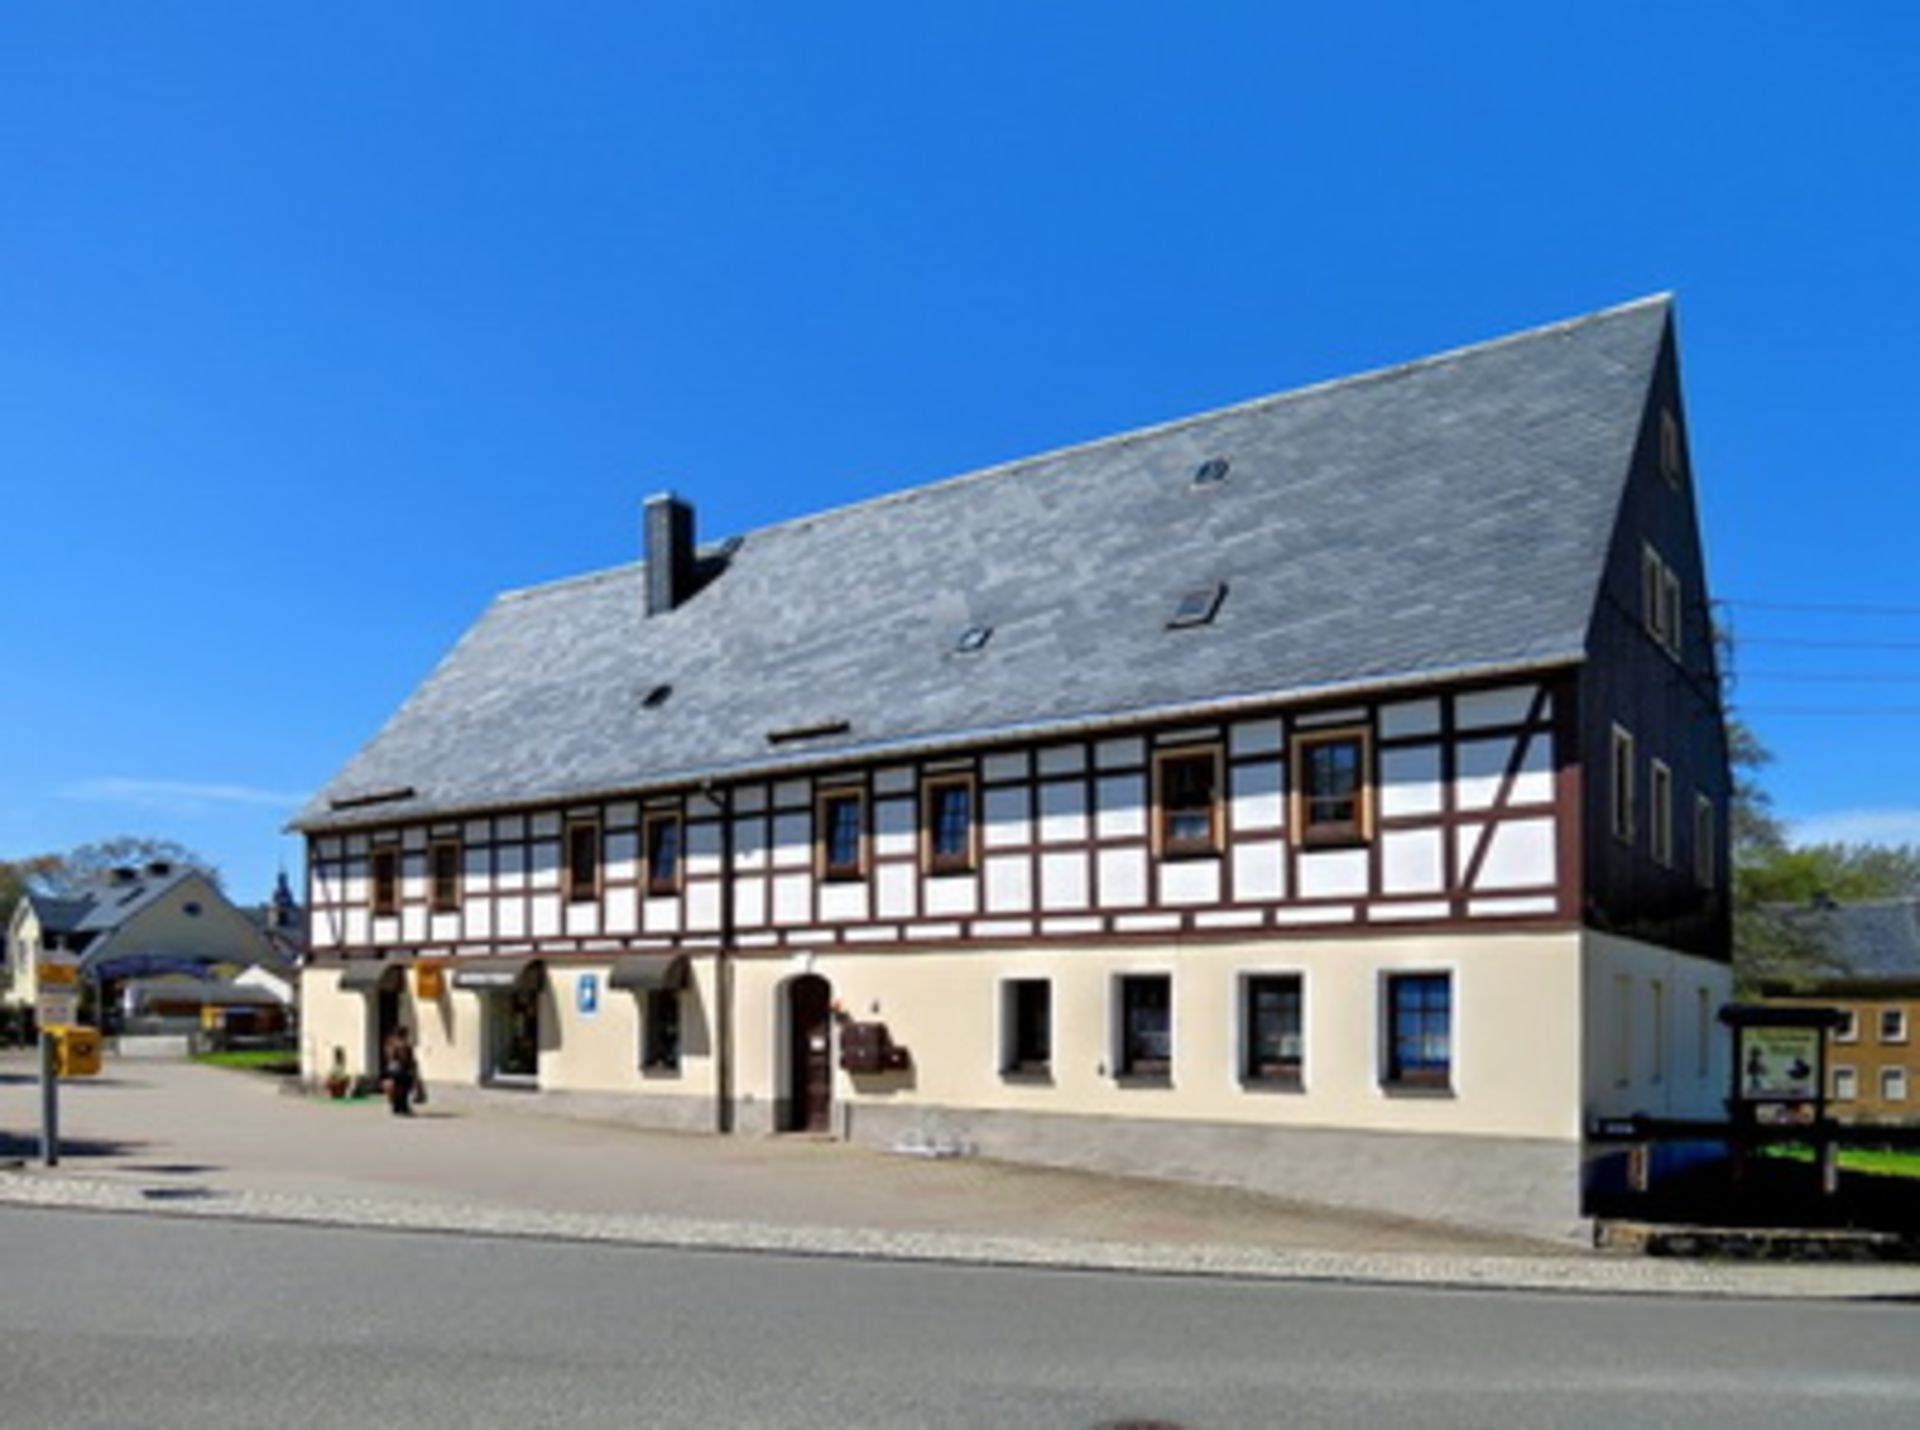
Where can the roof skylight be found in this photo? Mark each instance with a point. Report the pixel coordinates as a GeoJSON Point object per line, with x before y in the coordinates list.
{"type": "Point", "coordinates": [973, 638]}
{"type": "Point", "coordinates": [1197, 607]}
{"type": "Point", "coordinates": [1212, 472]}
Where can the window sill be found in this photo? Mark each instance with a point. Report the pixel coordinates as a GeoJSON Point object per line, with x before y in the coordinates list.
{"type": "Point", "coordinates": [1272, 1083]}
{"type": "Point", "coordinates": [661, 1072]}
{"type": "Point", "coordinates": [1418, 1090]}
{"type": "Point", "coordinates": [513, 1082]}
{"type": "Point", "coordinates": [1028, 1076]}
{"type": "Point", "coordinates": [1143, 1079]}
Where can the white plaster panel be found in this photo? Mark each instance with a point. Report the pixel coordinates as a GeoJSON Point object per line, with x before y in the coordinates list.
{"type": "Point", "coordinates": [623, 911]}
{"type": "Point", "coordinates": [330, 847]}
{"type": "Point", "coordinates": [1187, 735]}
{"type": "Point", "coordinates": [1345, 715]}
{"type": "Point", "coordinates": [703, 906]}
{"type": "Point", "coordinates": [413, 838]}
{"type": "Point", "coordinates": [357, 927]}
{"type": "Point", "coordinates": [326, 929]}
{"type": "Point", "coordinates": [327, 883]}
{"type": "Point", "coordinates": [1124, 754]}
{"type": "Point", "coordinates": [1228, 918]}
{"type": "Point", "coordinates": [413, 924]}
{"type": "Point", "coordinates": [1258, 796]}
{"type": "Point", "coordinates": [511, 916]}
{"type": "Point", "coordinates": [1122, 803]}
{"type": "Point", "coordinates": [750, 799]}
{"type": "Point", "coordinates": [356, 844]}
{"type": "Point", "coordinates": [510, 826]}
{"type": "Point", "coordinates": [1409, 717]}
{"type": "Point", "coordinates": [1255, 737]}
{"type": "Point", "coordinates": [1009, 884]}
{"type": "Point", "coordinates": [355, 881]}
{"type": "Point", "coordinates": [1506, 706]}
{"type": "Point", "coordinates": [623, 855]}
{"type": "Point", "coordinates": [896, 885]}
{"type": "Point", "coordinates": [413, 876]}
{"type": "Point", "coordinates": [1411, 861]}
{"type": "Point", "coordinates": [1146, 923]}
{"type": "Point", "coordinates": [545, 863]}
{"type": "Point", "coordinates": [478, 918]}
{"type": "Point", "coordinates": [703, 847]}
{"type": "Point", "coordinates": [545, 826]}
{"type": "Point", "coordinates": [582, 920]}
{"type": "Point", "coordinates": [443, 928]}
{"type": "Point", "coordinates": [1063, 759]}
{"type": "Point", "coordinates": [930, 932]}
{"type": "Point", "coordinates": [750, 843]}
{"type": "Point", "coordinates": [1063, 811]}
{"type": "Point", "coordinates": [660, 915]}
{"type": "Point", "coordinates": [793, 794]}
{"type": "Point", "coordinates": [895, 779]}
{"type": "Point", "coordinates": [750, 902]}
{"type": "Point", "coordinates": [1190, 881]}
{"type": "Point", "coordinates": [1330, 914]}
{"type": "Point", "coordinates": [894, 828]}
{"type": "Point", "coordinates": [952, 894]}
{"type": "Point", "coordinates": [1259, 870]}
{"type": "Point", "coordinates": [1003, 928]}
{"type": "Point", "coordinates": [1070, 925]}
{"type": "Point", "coordinates": [1333, 873]}
{"type": "Point", "coordinates": [1063, 881]}
{"type": "Point", "coordinates": [874, 933]}
{"type": "Point", "coordinates": [1400, 913]}
{"type": "Point", "coordinates": [623, 815]}
{"type": "Point", "coordinates": [793, 899]}
{"type": "Point", "coordinates": [1483, 764]}
{"type": "Point", "coordinates": [843, 902]}
{"type": "Point", "coordinates": [1008, 816]}
{"type": "Point", "coordinates": [512, 873]}
{"type": "Point", "coordinates": [1004, 767]}
{"type": "Point", "coordinates": [700, 806]}
{"type": "Point", "coordinates": [1520, 857]}
{"type": "Point", "coordinates": [1122, 878]}
{"type": "Point", "coordinates": [1510, 908]}
{"type": "Point", "coordinates": [792, 841]}
{"type": "Point", "coordinates": [545, 915]}
{"type": "Point", "coordinates": [1410, 781]}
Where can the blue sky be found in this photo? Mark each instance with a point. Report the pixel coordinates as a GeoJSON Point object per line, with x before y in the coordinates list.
{"type": "Point", "coordinates": [320, 324]}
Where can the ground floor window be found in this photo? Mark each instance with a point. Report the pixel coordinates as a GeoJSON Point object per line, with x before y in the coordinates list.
{"type": "Point", "coordinates": [660, 1038]}
{"type": "Point", "coordinates": [1275, 1043]}
{"type": "Point", "coordinates": [1893, 1084]}
{"type": "Point", "coordinates": [1419, 1030]}
{"type": "Point", "coordinates": [513, 1034]}
{"type": "Point", "coordinates": [1146, 1026]}
{"type": "Point", "coordinates": [1846, 1084]}
{"type": "Point", "coordinates": [1028, 1044]}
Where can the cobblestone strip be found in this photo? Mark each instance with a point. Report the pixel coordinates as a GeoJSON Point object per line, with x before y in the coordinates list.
{"type": "Point", "coordinates": [1621, 1275]}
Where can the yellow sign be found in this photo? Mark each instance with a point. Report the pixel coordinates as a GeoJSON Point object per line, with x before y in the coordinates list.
{"type": "Point", "coordinates": [59, 975]}
{"type": "Point", "coordinates": [428, 981]}
{"type": "Point", "coordinates": [76, 1051]}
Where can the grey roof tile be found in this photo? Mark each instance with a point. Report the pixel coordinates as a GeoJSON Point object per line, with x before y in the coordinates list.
{"type": "Point", "coordinates": [1446, 515]}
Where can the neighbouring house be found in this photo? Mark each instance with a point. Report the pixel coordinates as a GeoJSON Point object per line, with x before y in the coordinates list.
{"type": "Point", "coordinates": [1325, 795]}
{"type": "Point", "coordinates": [133, 928]}
{"type": "Point", "coordinates": [1873, 1057]}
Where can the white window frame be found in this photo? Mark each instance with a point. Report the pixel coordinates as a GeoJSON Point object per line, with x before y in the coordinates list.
{"type": "Point", "coordinates": [1899, 1017]}
{"type": "Point", "coordinates": [1660, 819]}
{"type": "Point", "coordinates": [1621, 799]}
{"type": "Point", "coordinates": [1849, 1029]}
{"type": "Point", "coordinates": [1893, 1084]}
{"type": "Point", "coordinates": [1846, 1083]}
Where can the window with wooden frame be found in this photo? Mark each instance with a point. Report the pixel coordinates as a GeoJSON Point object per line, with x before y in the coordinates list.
{"type": "Point", "coordinates": [1419, 1031]}
{"type": "Point", "coordinates": [1703, 843]}
{"type": "Point", "coordinates": [1028, 1028]}
{"type": "Point", "coordinates": [1186, 802]}
{"type": "Point", "coordinates": [662, 840]}
{"type": "Point", "coordinates": [1146, 1026]}
{"type": "Point", "coordinates": [841, 838]}
{"type": "Point", "coordinates": [1274, 1036]}
{"type": "Point", "coordinates": [1332, 793]}
{"type": "Point", "coordinates": [386, 881]}
{"type": "Point", "coordinates": [443, 875]}
{"type": "Point", "coordinates": [1621, 812]}
{"type": "Point", "coordinates": [1660, 790]}
{"type": "Point", "coordinates": [583, 861]}
{"type": "Point", "coordinates": [949, 842]}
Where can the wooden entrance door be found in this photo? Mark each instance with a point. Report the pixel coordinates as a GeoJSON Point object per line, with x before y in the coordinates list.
{"type": "Point", "coordinates": [810, 1055]}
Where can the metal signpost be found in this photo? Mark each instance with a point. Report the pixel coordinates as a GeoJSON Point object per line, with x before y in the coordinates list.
{"type": "Point", "coordinates": [66, 1048]}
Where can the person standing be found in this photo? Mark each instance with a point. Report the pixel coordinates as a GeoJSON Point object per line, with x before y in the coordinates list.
{"type": "Point", "coordinates": [400, 1074]}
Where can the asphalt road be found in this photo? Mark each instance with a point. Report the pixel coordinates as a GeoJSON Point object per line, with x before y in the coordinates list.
{"type": "Point", "coordinates": [136, 1321]}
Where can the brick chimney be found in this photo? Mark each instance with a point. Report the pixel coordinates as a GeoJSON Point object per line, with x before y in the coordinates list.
{"type": "Point", "coordinates": [667, 529]}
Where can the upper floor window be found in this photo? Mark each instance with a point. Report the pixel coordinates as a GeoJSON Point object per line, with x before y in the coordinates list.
{"type": "Point", "coordinates": [1849, 1029]}
{"type": "Point", "coordinates": [443, 875]}
{"type": "Point", "coordinates": [1660, 786]}
{"type": "Point", "coordinates": [386, 881]}
{"type": "Point", "coordinates": [948, 815]}
{"type": "Point", "coordinates": [1660, 600]}
{"type": "Point", "coordinates": [1419, 1030]}
{"type": "Point", "coordinates": [1330, 772]}
{"type": "Point", "coordinates": [843, 835]}
{"type": "Point", "coordinates": [660, 834]}
{"type": "Point", "coordinates": [1673, 461]}
{"type": "Point", "coordinates": [1622, 811]}
{"type": "Point", "coordinates": [1187, 802]}
{"type": "Point", "coordinates": [1893, 1025]}
{"type": "Point", "coordinates": [583, 860]}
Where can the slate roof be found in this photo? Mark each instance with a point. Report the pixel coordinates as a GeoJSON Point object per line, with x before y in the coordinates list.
{"type": "Point", "coordinates": [1442, 517]}
{"type": "Point", "coordinates": [1875, 939]}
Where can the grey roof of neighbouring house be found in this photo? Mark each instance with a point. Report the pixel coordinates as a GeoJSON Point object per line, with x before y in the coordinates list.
{"type": "Point", "coordinates": [1872, 940]}
{"type": "Point", "coordinates": [1449, 515]}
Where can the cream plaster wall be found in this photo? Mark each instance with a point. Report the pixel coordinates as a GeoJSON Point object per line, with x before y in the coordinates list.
{"type": "Point", "coordinates": [1636, 1062]}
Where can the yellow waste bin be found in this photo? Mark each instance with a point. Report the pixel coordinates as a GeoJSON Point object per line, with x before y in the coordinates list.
{"type": "Point", "coordinates": [76, 1051]}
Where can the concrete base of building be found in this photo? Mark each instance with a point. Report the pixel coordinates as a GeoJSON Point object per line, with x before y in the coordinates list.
{"type": "Point", "coordinates": [653, 1111]}
{"type": "Point", "coordinates": [1515, 1185]}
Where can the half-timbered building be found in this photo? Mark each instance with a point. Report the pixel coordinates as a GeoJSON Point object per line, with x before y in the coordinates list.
{"type": "Point", "coordinates": [1326, 795]}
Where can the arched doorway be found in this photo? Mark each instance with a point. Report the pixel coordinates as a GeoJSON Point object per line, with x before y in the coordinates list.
{"type": "Point", "coordinates": [809, 1055]}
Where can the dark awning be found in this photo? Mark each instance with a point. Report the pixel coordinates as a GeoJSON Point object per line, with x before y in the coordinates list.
{"type": "Point", "coordinates": [363, 976]}
{"type": "Point", "coordinates": [650, 973]}
{"type": "Point", "coordinates": [497, 975]}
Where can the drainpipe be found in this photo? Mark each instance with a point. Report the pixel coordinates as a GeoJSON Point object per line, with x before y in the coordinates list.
{"type": "Point", "coordinates": [723, 967]}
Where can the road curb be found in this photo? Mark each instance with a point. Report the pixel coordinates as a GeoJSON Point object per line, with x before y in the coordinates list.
{"type": "Point", "coordinates": [1577, 1276]}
